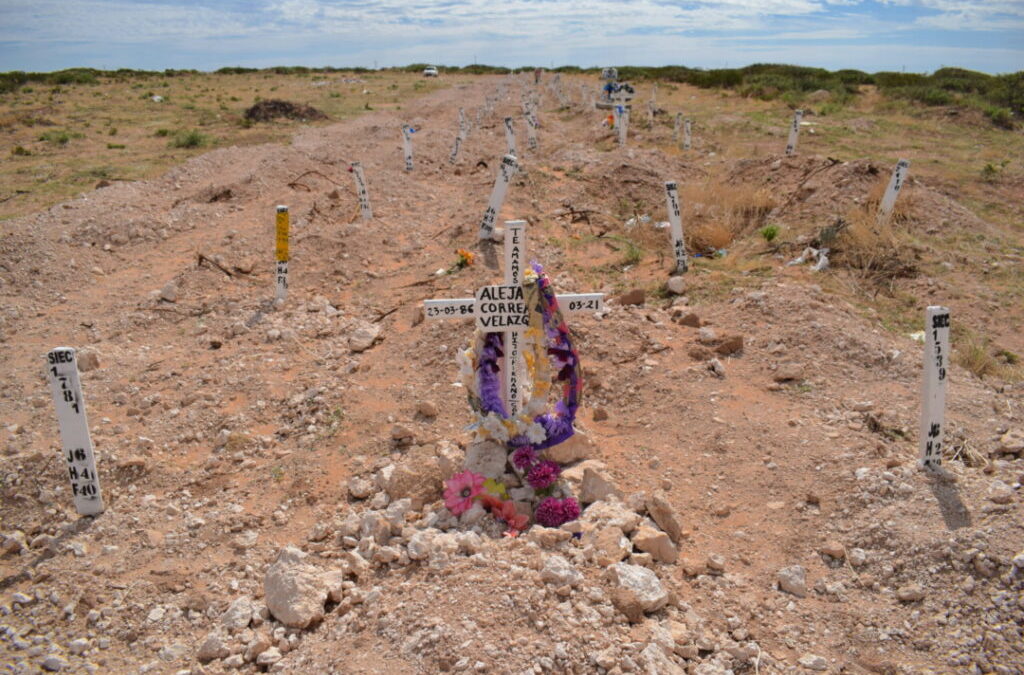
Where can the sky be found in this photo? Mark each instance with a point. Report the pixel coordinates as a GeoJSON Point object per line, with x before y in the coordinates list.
{"type": "Point", "coordinates": [871, 35]}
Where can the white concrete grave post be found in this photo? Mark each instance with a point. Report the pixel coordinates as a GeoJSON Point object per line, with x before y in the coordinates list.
{"type": "Point", "coordinates": [794, 132]}
{"type": "Point", "coordinates": [502, 308]}
{"type": "Point", "coordinates": [508, 168]}
{"type": "Point", "coordinates": [510, 137]}
{"type": "Point", "coordinates": [456, 146]}
{"type": "Point", "coordinates": [281, 251]}
{"type": "Point", "coordinates": [531, 132]}
{"type": "Point", "coordinates": [78, 454]}
{"type": "Point", "coordinates": [899, 177]}
{"type": "Point", "coordinates": [407, 132]}
{"type": "Point", "coordinates": [687, 134]}
{"type": "Point", "coordinates": [650, 114]}
{"type": "Point", "coordinates": [361, 191]}
{"type": "Point", "coordinates": [675, 220]}
{"type": "Point", "coordinates": [933, 385]}
{"type": "Point", "coordinates": [460, 135]}
{"type": "Point", "coordinates": [676, 127]}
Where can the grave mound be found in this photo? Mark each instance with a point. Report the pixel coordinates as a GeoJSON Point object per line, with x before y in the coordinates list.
{"type": "Point", "coordinates": [272, 109]}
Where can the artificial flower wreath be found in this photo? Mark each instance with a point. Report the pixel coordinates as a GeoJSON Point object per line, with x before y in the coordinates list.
{"type": "Point", "coordinates": [551, 361]}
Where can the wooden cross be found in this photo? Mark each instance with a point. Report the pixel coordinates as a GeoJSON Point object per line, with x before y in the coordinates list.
{"type": "Point", "coordinates": [503, 308]}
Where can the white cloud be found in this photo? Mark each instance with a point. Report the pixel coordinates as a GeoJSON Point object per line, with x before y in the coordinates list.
{"type": "Point", "coordinates": [43, 34]}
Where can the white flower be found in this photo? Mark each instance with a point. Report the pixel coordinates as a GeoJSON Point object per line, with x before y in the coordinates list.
{"type": "Point", "coordinates": [496, 428]}
{"type": "Point", "coordinates": [535, 406]}
{"type": "Point", "coordinates": [536, 433]}
{"type": "Point", "coordinates": [464, 362]}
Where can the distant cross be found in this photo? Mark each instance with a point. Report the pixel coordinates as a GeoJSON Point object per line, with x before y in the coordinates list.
{"type": "Point", "coordinates": [504, 308]}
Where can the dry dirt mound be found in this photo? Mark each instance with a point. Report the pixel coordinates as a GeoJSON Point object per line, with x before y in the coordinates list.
{"type": "Point", "coordinates": [272, 109]}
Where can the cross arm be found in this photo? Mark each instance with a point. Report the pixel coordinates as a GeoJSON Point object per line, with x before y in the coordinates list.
{"type": "Point", "coordinates": [464, 308]}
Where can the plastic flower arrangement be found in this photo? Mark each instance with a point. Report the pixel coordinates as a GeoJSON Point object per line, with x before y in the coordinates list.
{"type": "Point", "coordinates": [465, 260]}
{"type": "Point", "coordinates": [553, 367]}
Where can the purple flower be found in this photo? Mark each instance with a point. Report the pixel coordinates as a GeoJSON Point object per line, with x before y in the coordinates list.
{"type": "Point", "coordinates": [549, 513]}
{"type": "Point", "coordinates": [524, 458]}
{"type": "Point", "coordinates": [570, 509]}
{"type": "Point", "coordinates": [558, 425]}
{"type": "Point", "coordinates": [553, 512]}
{"type": "Point", "coordinates": [488, 381]}
{"type": "Point", "coordinates": [543, 475]}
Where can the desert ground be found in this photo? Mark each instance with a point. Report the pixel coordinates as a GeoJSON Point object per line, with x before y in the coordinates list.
{"type": "Point", "coordinates": [748, 446]}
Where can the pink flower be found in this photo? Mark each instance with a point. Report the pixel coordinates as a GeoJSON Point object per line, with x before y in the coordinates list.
{"type": "Point", "coordinates": [460, 491]}
{"type": "Point", "coordinates": [544, 474]}
{"type": "Point", "coordinates": [570, 509]}
{"type": "Point", "coordinates": [549, 513]}
{"type": "Point", "coordinates": [553, 512]}
{"type": "Point", "coordinates": [524, 457]}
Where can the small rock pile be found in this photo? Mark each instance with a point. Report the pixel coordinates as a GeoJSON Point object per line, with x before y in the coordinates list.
{"type": "Point", "coordinates": [610, 569]}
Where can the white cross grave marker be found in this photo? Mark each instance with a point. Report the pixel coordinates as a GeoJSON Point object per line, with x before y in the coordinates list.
{"type": "Point", "coordinates": [407, 132]}
{"type": "Point", "coordinates": [687, 134]}
{"type": "Point", "coordinates": [508, 168]}
{"type": "Point", "coordinates": [899, 176]}
{"type": "Point", "coordinates": [503, 308]}
{"type": "Point", "coordinates": [361, 192]}
{"type": "Point", "coordinates": [510, 137]}
{"type": "Point", "coordinates": [62, 373]}
{"type": "Point", "coordinates": [794, 132]}
{"type": "Point", "coordinates": [933, 385]}
{"type": "Point", "coordinates": [282, 252]}
{"type": "Point", "coordinates": [675, 219]}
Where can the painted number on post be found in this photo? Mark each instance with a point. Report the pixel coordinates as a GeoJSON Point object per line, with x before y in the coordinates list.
{"type": "Point", "coordinates": [79, 458]}
{"type": "Point", "coordinates": [933, 390]}
{"type": "Point", "coordinates": [675, 220]}
{"type": "Point", "coordinates": [899, 177]}
{"type": "Point", "coordinates": [407, 132]}
{"type": "Point", "coordinates": [794, 132]}
{"type": "Point", "coordinates": [282, 227]}
{"type": "Point", "coordinates": [509, 166]}
{"type": "Point", "coordinates": [364, 195]}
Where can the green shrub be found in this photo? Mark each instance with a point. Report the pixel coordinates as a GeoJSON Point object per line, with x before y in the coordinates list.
{"type": "Point", "coordinates": [188, 139]}
{"type": "Point", "coordinates": [769, 232]}
{"type": "Point", "coordinates": [1001, 117]}
{"type": "Point", "coordinates": [162, 133]}
{"type": "Point", "coordinates": [115, 146]}
{"type": "Point", "coordinates": [19, 151]}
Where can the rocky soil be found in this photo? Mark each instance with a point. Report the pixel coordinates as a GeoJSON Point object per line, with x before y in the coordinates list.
{"type": "Point", "coordinates": [273, 473]}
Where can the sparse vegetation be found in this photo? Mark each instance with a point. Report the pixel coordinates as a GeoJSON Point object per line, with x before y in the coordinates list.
{"type": "Point", "coordinates": [190, 138]}
{"type": "Point", "coordinates": [769, 232]}
{"type": "Point", "coordinates": [973, 355]}
{"type": "Point", "coordinates": [59, 137]}
{"type": "Point", "coordinates": [991, 172]}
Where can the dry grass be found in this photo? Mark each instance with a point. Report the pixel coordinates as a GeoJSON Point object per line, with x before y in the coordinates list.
{"type": "Point", "coordinates": [873, 251]}
{"type": "Point", "coordinates": [976, 354]}
{"type": "Point", "coordinates": [716, 213]}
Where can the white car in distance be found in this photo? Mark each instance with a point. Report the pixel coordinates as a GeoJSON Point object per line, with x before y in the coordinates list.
{"type": "Point", "coordinates": [430, 71]}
